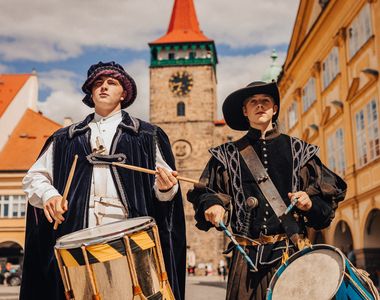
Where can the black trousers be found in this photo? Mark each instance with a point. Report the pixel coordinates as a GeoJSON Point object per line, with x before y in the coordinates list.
{"type": "Point", "coordinates": [246, 285]}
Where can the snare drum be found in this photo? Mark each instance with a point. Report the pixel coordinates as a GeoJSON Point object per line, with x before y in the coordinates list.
{"type": "Point", "coordinates": [320, 272]}
{"type": "Point", "coordinates": [120, 260]}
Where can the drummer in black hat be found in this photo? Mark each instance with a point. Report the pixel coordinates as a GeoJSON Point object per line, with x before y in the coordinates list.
{"type": "Point", "coordinates": [101, 193]}
{"type": "Point", "coordinates": [232, 189]}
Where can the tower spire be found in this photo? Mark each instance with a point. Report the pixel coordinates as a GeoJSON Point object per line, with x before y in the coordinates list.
{"type": "Point", "coordinates": [183, 26]}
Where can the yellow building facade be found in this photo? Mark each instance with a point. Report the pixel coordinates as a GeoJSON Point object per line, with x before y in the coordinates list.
{"type": "Point", "coordinates": [330, 97]}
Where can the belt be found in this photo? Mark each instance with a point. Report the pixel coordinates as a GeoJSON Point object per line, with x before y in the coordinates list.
{"type": "Point", "coordinates": [262, 240]}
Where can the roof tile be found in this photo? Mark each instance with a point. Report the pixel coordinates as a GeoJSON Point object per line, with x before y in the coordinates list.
{"type": "Point", "coordinates": [26, 141]}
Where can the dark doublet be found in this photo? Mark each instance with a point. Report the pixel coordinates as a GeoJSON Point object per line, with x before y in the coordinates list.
{"type": "Point", "coordinates": [290, 168]}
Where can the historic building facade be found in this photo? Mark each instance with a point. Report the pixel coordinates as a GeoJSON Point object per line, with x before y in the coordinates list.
{"type": "Point", "coordinates": [183, 102]}
{"type": "Point", "coordinates": [23, 132]}
{"type": "Point", "coordinates": [330, 97]}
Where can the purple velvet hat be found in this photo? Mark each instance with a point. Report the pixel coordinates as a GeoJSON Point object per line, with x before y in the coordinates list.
{"type": "Point", "coordinates": [113, 70]}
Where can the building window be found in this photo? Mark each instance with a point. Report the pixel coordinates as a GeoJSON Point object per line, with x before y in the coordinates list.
{"type": "Point", "coordinates": [308, 94]}
{"type": "Point", "coordinates": [292, 115]}
{"type": "Point", "coordinates": [373, 130]}
{"type": "Point", "coordinates": [154, 53]}
{"type": "Point", "coordinates": [367, 133]}
{"type": "Point", "coordinates": [360, 30]}
{"type": "Point", "coordinates": [335, 152]}
{"type": "Point", "coordinates": [192, 55]}
{"type": "Point", "coordinates": [330, 67]}
{"type": "Point", "coordinates": [12, 206]}
{"type": "Point", "coordinates": [171, 55]}
{"type": "Point", "coordinates": [180, 109]}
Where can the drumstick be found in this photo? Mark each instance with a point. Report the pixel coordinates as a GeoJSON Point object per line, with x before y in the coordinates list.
{"type": "Point", "coordinates": [290, 207]}
{"type": "Point", "coordinates": [238, 247]}
{"type": "Point", "coordinates": [67, 187]}
{"type": "Point", "coordinates": [149, 171]}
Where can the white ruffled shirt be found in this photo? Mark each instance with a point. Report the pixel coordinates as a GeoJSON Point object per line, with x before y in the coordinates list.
{"type": "Point", "coordinates": [37, 183]}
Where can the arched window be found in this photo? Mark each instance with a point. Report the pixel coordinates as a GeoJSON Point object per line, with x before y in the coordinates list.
{"type": "Point", "coordinates": [180, 109]}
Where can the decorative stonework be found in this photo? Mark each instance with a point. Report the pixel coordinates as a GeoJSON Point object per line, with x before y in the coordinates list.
{"type": "Point", "coordinates": [181, 149]}
{"type": "Point", "coordinates": [297, 94]}
{"type": "Point", "coordinates": [316, 69]}
{"type": "Point", "coordinates": [340, 37]}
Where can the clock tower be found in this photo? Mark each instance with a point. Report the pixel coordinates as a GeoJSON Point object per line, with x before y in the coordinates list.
{"type": "Point", "coordinates": [183, 102]}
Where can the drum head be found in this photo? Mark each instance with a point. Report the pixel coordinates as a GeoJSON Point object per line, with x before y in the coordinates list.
{"type": "Point", "coordinates": [103, 233]}
{"type": "Point", "coordinates": [314, 274]}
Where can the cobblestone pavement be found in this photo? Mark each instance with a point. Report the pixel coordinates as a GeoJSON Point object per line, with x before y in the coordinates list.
{"type": "Point", "coordinates": [205, 288]}
{"type": "Point", "coordinates": [9, 292]}
{"type": "Point", "coordinates": [197, 288]}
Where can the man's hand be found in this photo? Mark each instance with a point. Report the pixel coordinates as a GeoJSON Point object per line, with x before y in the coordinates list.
{"type": "Point", "coordinates": [215, 214]}
{"type": "Point", "coordinates": [165, 179]}
{"type": "Point", "coordinates": [304, 202]}
{"type": "Point", "coordinates": [53, 209]}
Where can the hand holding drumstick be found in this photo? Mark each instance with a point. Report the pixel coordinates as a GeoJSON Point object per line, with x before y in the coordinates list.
{"type": "Point", "coordinates": [56, 206]}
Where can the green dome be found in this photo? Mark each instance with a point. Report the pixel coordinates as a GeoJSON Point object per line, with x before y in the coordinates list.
{"type": "Point", "coordinates": [273, 71]}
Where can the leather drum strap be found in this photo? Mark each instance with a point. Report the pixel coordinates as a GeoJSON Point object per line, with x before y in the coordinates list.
{"type": "Point", "coordinates": [270, 192]}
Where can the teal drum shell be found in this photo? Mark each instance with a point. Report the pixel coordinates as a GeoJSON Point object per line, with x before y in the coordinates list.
{"type": "Point", "coordinates": [320, 272]}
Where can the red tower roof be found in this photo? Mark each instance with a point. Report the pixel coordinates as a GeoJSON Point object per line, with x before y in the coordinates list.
{"type": "Point", "coordinates": [184, 26]}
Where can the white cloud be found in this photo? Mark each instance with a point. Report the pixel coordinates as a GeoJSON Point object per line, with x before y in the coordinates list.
{"type": "Point", "coordinates": [139, 70]}
{"type": "Point", "coordinates": [247, 23]}
{"type": "Point", "coordinates": [54, 30]}
{"type": "Point", "coordinates": [4, 69]}
{"type": "Point", "coordinates": [65, 99]}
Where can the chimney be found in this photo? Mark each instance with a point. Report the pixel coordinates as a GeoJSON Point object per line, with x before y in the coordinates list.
{"type": "Point", "coordinates": [67, 121]}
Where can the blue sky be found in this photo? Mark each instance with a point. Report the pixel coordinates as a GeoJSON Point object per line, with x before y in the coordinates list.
{"type": "Point", "coordinates": [61, 39]}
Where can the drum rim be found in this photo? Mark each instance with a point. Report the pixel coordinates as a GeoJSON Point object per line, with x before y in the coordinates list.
{"type": "Point", "coordinates": [296, 255]}
{"type": "Point", "coordinates": [106, 237]}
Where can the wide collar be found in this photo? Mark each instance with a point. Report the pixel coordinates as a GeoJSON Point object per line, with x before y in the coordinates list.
{"type": "Point", "coordinates": [255, 134]}
{"type": "Point", "coordinates": [127, 123]}
{"type": "Point", "coordinates": [115, 117]}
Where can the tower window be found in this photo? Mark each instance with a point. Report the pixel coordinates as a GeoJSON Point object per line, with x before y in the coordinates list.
{"type": "Point", "coordinates": [171, 55]}
{"type": "Point", "coordinates": [154, 54]}
{"type": "Point", "coordinates": [180, 109]}
{"type": "Point", "coordinates": [192, 55]}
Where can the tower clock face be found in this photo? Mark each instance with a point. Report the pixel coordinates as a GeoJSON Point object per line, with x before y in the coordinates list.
{"type": "Point", "coordinates": [181, 83]}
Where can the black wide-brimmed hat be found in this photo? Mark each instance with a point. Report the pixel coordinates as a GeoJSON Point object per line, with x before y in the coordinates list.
{"type": "Point", "coordinates": [114, 70]}
{"type": "Point", "coordinates": [233, 104]}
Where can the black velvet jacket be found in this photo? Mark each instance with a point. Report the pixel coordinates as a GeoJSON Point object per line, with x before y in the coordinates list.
{"type": "Point", "coordinates": [292, 165]}
{"type": "Point", "coordinates": [134, 143]}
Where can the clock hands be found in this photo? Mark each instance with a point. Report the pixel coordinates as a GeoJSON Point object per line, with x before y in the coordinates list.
{"type": "Point", "coordinates": [181, 83]}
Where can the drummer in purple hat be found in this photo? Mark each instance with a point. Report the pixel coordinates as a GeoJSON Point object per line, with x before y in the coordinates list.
{"type": "Point", "coordinates": [267, 185]}
{"type": "Point", "coordinates": [100, 192]}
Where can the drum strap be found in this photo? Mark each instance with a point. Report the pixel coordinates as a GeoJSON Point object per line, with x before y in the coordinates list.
{"type": "Point", "coordinates": [269, 190]}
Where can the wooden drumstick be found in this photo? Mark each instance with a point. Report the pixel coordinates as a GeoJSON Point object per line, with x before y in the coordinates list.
{"type": "Point", "coordinates": [67, 187]}
{"type": "Point", "coordinates": [149, 171]}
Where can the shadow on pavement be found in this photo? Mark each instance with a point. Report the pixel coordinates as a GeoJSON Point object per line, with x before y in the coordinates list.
{"type": "Point", "coordinates": [219, 284]}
